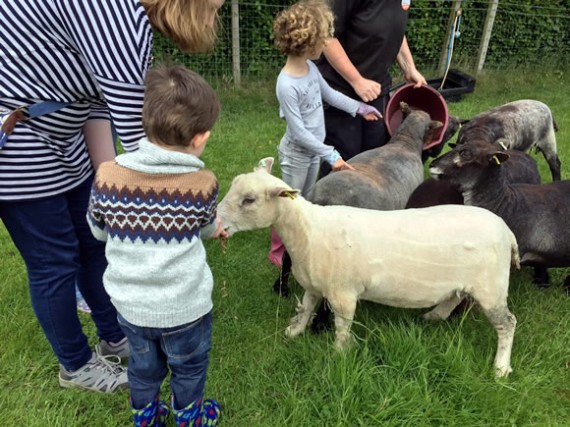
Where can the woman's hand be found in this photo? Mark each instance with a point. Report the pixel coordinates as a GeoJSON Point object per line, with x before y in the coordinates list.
{"type": "Point", "coordinates": [367, 90]}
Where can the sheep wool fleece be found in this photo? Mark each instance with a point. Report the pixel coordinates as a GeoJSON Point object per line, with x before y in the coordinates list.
{"type": "Point", "coordinates": [153, 207]}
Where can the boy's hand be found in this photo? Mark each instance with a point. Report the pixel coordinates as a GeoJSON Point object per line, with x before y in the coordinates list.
{"type": "Point", "coordinates": [220, 232]}
{"type": "Point", "coordinates": [340, 165]}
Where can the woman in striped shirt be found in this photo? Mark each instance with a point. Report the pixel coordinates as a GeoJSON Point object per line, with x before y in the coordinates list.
{"type": "Point", "coordinates": [88, 59]}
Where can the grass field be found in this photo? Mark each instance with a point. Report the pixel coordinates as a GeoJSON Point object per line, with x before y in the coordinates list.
{"type": "Point", "coordinates": [404, 372]}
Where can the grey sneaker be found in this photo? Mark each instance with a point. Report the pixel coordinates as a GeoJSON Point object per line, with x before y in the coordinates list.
{"type": "Point", "coordinates": [102, 373]}
{"type": "Point", "coordinates": [121, 349]}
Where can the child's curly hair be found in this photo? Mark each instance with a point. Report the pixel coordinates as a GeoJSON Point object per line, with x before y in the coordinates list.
{"type": "Point", "coordinates": [303, 27]}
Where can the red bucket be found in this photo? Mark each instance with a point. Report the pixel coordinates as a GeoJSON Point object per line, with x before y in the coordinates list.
{"type": "Point", "coordinates": [424, 98]}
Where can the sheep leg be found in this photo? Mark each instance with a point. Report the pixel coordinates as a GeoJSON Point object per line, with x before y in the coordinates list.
{"type": "Point", "coordinates": [281, 285]}
{"type": "Point", "coordinates": [552, 160]}
{"type": "Point", "coordinates": [444, 308]}
{"type": "Point", "coordinates": [554, 165]}
{"type": "Point", "coordinates": [343, 307]}
{"type": "Point", "coordinates": [304, 312]}
{"type": "Point", "coordinates": [323, 319]}
{"type": "Point", "coordinates": [541, 277]}
{"type": "Point", "coordinates": [504, 322]}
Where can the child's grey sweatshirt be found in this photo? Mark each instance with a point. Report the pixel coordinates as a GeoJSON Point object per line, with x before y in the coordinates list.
{"type": "Point", "coordinates": [301, 105]}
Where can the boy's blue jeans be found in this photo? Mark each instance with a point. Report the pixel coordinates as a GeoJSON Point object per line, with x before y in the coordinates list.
{"type": "Point", "coordinates": [184, 349]}
{"type": "Point", "coordinates": [54, 239]}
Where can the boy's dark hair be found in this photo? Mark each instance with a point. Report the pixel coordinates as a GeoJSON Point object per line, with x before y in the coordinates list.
{"type": "Point", "coordinates": [178, 105]}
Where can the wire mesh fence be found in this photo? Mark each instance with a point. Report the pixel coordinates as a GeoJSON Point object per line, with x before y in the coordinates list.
{"type": "Point", "coordinates": [523, 33]}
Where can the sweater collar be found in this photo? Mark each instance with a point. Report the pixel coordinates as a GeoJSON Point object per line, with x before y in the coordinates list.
{"type": "Point", "coordinates": [150, 158]}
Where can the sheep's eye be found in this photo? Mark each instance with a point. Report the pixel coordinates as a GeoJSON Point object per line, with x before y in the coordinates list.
{"type": "Point", "coordinates": [248, 200]}
{"type": "Point", "coordinates": [465, 154]}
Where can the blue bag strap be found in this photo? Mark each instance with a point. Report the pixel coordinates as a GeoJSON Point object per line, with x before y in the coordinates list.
{"type": "Point", "coordinates": [45, 107]}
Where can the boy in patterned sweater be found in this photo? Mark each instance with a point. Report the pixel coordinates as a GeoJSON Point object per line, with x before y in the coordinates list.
{"type": "Point", "coordinates": [153, 207]}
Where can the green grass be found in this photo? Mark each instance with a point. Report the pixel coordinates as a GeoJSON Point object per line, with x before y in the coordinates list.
{"type": "Point", "coordinates": [403, 372]}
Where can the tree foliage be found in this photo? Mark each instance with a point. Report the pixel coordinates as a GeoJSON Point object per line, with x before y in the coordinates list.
{"type": "Point", "coordinates": [523, 33]}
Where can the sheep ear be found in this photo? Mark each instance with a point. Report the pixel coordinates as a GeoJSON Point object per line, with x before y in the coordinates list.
{"type": "Point", "coordinates": [498, 157]}
{"type": "Point", "coordinates": [283, 192]}
{"type": "Point", "coordinates": [431, 131]}
{"type": "Point", "coordinates": [435, 125]}
{"type": "Point", "coordinates": [504, 143]}
{"type": "Point", "coordinates": [266, 164]}
{"type": "Point", "coordinates": [405, 109]}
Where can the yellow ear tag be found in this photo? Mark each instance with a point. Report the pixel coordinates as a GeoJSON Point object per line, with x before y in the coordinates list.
{"type": "Point", "coordinates": [292, 196]}
{"type": "Point", "coordinates": [495, 158]}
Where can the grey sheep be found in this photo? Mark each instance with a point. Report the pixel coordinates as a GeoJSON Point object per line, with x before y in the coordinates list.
{"type": "Point", "coordinates": [518, 125]}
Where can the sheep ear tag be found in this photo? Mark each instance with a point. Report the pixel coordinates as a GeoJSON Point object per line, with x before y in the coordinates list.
{"type": "Point", "coordinates": [292, 194]}
{"type": "Point", "coordinates": [502, 143]}
{"type": "Point", "coordinates": [498, 157]}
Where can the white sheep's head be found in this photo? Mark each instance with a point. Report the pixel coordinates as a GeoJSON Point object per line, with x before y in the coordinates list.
{"type": "Point", "coordinates": [252, 200]}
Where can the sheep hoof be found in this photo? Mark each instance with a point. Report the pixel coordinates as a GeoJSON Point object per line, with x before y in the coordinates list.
{"type": "Point", "coordinates": [340, 346]}
{"type": "Point", "coordinates": [432, 316]}
{"type": "Point", "coordinates": [503, 372]}
{"type": "Point", "coordinates": [344, 343]}
{"type": "Point", "coordinates": [292, 332]}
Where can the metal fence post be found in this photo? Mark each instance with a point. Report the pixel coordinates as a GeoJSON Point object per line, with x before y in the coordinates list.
{"type": "Point", "coordinates": [487, 31]}
{"type": "Point", "coordinates": [444, 53]}
{"type": "Point", "coordinates": [236, 69]}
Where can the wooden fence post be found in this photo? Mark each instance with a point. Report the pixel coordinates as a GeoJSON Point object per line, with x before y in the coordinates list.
{"type": "Point", "coordinates": [236, 69]}
{"type": "Point", "coordinates": [487, 31]}
{"type": "Point", "coordinates": [444, 53]}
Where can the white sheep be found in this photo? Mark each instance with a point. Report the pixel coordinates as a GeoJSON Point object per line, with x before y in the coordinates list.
{"type": "Point", "coordinates": [413, 258]}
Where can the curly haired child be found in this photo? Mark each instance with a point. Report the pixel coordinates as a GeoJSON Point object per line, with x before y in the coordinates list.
{"type": "Point", "coordinates": [302, 32]}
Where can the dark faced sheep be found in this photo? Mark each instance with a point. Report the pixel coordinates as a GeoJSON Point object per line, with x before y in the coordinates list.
{"type": "Point", "coordinates": [521, 168]}
{"type": "Point", "coordinates": [538, 214]}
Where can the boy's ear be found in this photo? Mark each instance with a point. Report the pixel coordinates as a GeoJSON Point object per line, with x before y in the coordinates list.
{"type": "Point", "coordinates": [200, 139]}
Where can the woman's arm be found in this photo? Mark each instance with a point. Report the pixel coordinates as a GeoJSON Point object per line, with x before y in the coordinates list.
{"type": "Point", "coordinates": [367, 90]}
{"type": "Point", "coordinates": [406, 62]}
{"type": "Point", "coordinates": [116, 45]}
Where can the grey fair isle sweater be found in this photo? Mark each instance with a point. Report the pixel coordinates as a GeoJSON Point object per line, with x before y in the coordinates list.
{"type": "Point", "coordinates": [301, 105]}
{"type": "Point", "coordinates": [152, 207]}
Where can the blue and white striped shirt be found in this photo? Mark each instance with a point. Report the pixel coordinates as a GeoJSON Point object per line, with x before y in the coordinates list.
{"type": "Point", "coordinates": [92, 53]}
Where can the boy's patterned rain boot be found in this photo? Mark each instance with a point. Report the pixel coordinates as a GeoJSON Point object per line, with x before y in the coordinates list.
{"type": "Point", "coordinates": [198, 413]}
{"type": "Point", "coordinates": [152, 415]}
